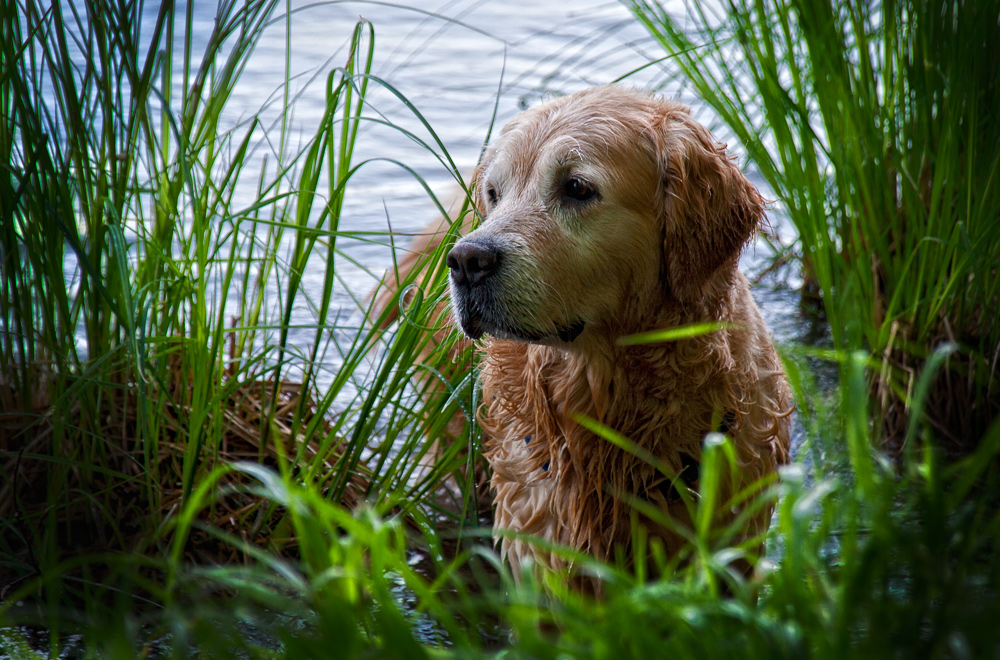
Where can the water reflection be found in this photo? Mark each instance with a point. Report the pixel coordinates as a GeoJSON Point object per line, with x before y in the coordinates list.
{"type": "Point", "coordinates": [464, 65]}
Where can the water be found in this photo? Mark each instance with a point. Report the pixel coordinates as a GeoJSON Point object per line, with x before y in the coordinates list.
{"type": "Point", "coordinates": [457, 62]}
{"type": "Point", "coordinates": [464, 65]}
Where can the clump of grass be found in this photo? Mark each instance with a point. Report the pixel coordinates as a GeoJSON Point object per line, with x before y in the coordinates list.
{"type": "Point", "coordinates": [866, 563]}
{"type": "Point", "coordinates": [146, 300]}
{"type": "Point", "coordinates": [873, 123]}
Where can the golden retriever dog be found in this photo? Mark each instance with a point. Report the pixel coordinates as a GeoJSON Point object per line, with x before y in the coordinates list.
{"type": "Point", "coordinates": [606, 214]}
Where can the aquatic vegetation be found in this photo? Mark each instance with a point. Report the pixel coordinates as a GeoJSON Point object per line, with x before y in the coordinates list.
{"type": "Point", "coordinates": [147, 300]}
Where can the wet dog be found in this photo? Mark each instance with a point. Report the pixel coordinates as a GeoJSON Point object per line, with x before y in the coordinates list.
{"type": "Point", "coordinates": [607, 214]}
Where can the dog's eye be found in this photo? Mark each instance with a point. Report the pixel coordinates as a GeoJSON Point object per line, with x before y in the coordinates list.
{"type": "Point", "coordinates": [578, 189]}
{"type": "Point", "coordinates": [492, 196]}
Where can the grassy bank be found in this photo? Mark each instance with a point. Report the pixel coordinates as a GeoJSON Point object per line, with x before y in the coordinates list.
{"type": "Point", "coordinates": [175, 482]}
{"type": "Point", "coordinates": [153, 256]}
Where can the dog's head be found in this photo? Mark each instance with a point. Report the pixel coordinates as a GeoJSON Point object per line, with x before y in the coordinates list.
{"type": "Point", "coordinates": [597, 208]}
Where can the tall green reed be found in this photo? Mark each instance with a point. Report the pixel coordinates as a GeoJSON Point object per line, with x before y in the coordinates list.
{"type": "Point", "coordinates": [873, 124]}
{"type": "Point", "coordinates": [151, 267]}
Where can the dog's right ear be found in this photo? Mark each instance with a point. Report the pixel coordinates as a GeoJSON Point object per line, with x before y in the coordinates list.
{"type": "Point", "coordinates": [710, 210]}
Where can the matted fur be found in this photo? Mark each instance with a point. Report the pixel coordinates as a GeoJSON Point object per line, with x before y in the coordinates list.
{"type": "Point", "coordinates": [655, 247]}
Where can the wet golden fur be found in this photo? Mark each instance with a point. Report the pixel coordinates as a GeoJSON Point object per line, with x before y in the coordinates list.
{"type": "Point", "coordinates": [655, 247]}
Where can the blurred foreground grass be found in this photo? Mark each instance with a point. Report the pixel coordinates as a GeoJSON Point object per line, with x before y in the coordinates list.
{"type": "Point", "coordinates": [174, 483]}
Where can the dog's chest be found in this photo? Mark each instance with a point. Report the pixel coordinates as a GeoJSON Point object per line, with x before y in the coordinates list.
{"type": "Point", "coordinates": [555, 479]}
{"type": "Point", "coordinates": [532, 487]}
{"type": "Point", "coordinates": [527, 420]}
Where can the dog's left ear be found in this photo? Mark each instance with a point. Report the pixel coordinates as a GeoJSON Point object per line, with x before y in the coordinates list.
{"type": "Point", "coordinates": [475, 188]}
{"type": "Point", "coordinates": [710, 209]}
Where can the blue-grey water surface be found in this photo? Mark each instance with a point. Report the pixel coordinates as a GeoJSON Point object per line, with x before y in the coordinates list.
{"type": "Point", "coordinates": [458, 62]}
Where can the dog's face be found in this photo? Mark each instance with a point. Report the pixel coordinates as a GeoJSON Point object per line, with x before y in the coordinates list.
{"type": "Point", "coordinates": [596, 207]}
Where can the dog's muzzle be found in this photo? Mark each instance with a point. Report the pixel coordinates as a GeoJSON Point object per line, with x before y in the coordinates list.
{"type": "Point", "coordinates": [473, 264]}
{"type": "Point", "coordinates": [481, 303]}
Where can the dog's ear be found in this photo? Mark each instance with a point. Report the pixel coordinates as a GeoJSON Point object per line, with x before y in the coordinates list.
{"type": "Point", "coordinates": [477, 192]}
{"type": "Point", "coordinates": [710, 209]}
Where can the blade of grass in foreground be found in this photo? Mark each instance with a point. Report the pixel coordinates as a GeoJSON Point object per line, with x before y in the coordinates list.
{"type": "Point", "coordinates": [673, 334]}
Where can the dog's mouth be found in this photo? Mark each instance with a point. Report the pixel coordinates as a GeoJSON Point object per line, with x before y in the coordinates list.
{"type": "Point", "coordinates": [565, 333]}
{"type": "Point", "coordinates": [570, 332]}
{"type": "Point", "coordinates": [471, 326]}
{"type": "Point", "coordinates": [475, 326]}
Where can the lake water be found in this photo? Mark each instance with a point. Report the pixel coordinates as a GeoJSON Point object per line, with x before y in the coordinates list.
{"type": "Point", "coordinates": [463, 64]}
{"type": "Point", "coordinates": [458, 63]}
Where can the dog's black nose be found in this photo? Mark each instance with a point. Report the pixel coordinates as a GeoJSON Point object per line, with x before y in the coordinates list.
{"type": "Point", "coordinates": [472, 262]}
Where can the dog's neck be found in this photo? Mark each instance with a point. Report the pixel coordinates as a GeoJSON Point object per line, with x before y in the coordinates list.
{"type": "Point", "coordinates": [606, 343]}
{"type": "Point", "coordinates": [662, 397]}
{"type": "Point", "coordinates": [611, 380]}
